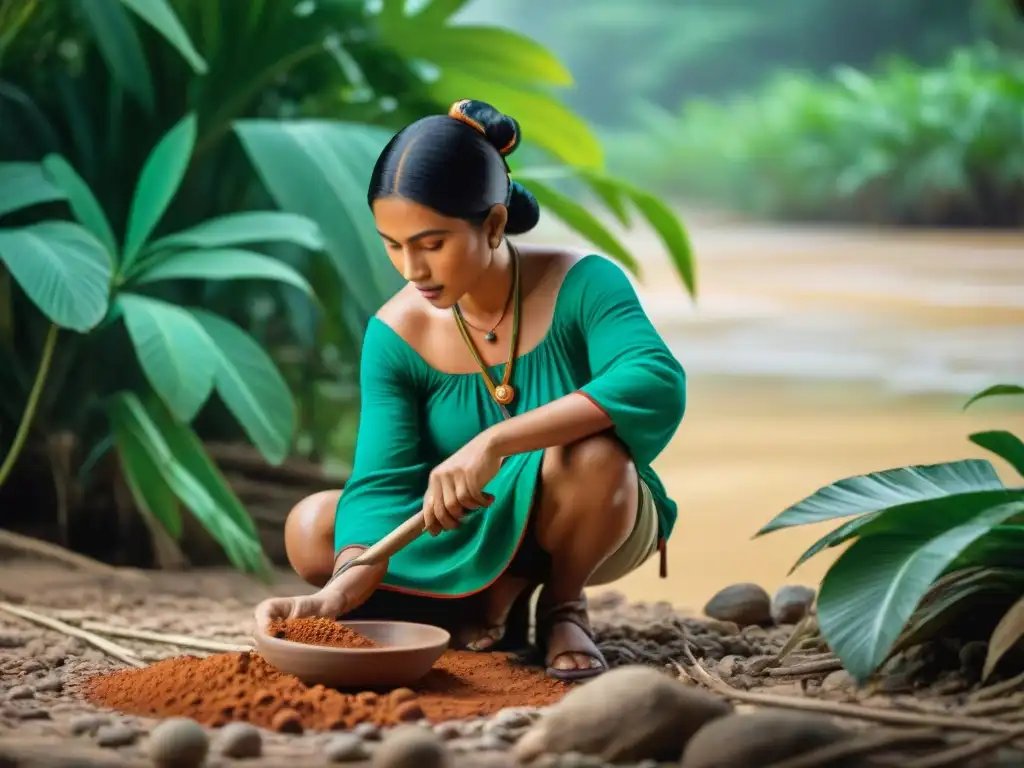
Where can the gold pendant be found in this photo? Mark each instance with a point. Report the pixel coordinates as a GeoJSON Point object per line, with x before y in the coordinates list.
{"type": "Point", "coordinates": [504, 394]}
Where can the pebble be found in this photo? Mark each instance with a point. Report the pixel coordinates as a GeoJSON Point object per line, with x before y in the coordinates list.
{"type": "Point", "coordinates": [514, 718]}
{"type": "Point", "coordinates": [743, 604]}
{"type": "Point", "coordinates": [50, 685]}
{"type": "Point", "coordinates": [21, 692]}
{"type": "Point", "coordinates": [116, 735]}
{"type": "Point", "coordinates": [88, 724]}
{"type": "Point", "coordinates": [840, 680]}
{"type": "Point", "coordinates": [411, 747]}
{"type": "Point", "coordinates": [240, 740]}
{"type": "Point", "coordinates": [178, 742]}
{"type": "Point", "coordinates": [29, 714]}
{"type": "Point", "coordinates": [628, 714]}
{"type": "Point", "coordinates": [791, 603]}
{"type": "Point", "coordinates": [762, 738]}
{"type": "Point", "coordinates": [11, 640]}
{"type": "Point", "coordinates": [367, 732]}
{"type": "Point", "coordinates": [448, 731]}
{"type": "Point", "coordinates": [490, 742]}
{"type": "Point", "coordinates": [345, 748]}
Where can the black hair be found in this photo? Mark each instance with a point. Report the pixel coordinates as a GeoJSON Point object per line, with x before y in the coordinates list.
{"type": "Point", "coordinates": [455, 164]}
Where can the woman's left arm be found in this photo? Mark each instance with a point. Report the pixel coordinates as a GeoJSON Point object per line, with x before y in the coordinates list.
{"type": "Point", "coordinates": [637, 386]}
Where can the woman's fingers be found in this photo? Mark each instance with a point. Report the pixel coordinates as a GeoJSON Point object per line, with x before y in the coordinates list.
{"type": "Point", "coordinates": [450, 511]}
{"type": "Point", "coordinates": [468, 498]}
{"type": "Point", "coordinates": [274, 609]}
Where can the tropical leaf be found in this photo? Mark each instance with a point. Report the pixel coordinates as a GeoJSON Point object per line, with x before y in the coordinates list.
{"type": "Point", "coordinates": [876, 491]}
{"type": "Point", "coordinates": [173, 460]}
{"type": "Point", "coordinates": [219, 264]}
{"type": "Point", "coordinates": [118, 41]}
{"type": "Point", "coordinates": [997, 390]}
{"type": "Point", "coordinates": [84, 205]}
{"type": "Point", "coordinates": [159, 181]}
{"type": "Point", "coordinates": [1007, 635]}
{"type": "Point", "coordinates": [63, 269]}
{"type": "Point", "coordinates": [160, 15]}
{"type": "Point", "coordinates": [23, 185]}
{"type": "Point", "coordinates": [252, 388]}
{"type": "Point", "coordinates": [174, 351]}
{"type": "Point", "coordinates": [871, 591]}
{"type": "Point", "coordinates": [245, 229]}
{"type": "Point", "coordinates": [150, 491]}
{"type": "Point", "coordinates": [1003, 444]}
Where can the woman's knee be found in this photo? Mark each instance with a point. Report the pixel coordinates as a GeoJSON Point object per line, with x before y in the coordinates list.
{"type": "Point", "coordinates": [309, 537]}
{"type": "Point", "coordinates": [599, 462]}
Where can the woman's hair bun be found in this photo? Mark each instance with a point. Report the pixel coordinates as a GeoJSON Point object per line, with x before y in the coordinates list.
{"type": "Point", "coordinates": [523, 209]}
{"type": "Point", "coordinates": [500, 130]}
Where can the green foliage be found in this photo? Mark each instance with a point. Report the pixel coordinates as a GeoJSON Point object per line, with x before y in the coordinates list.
{"type": "Point", "coordinates": [908, 145]}
{"type": "Point", "coordinates": [143, 148]}
{"type": "Point", "coordinates": [931, 543]}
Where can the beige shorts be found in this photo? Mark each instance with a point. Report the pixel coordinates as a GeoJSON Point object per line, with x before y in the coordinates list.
{"type": "Point", "coordinates": [640, 545]}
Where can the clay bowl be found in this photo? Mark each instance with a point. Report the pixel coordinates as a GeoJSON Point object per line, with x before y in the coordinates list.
{"type": "Point", "coordinates": [407, 653]}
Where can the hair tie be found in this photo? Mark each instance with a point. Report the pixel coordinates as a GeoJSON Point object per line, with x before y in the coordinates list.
{"type": "Point", "coordinates": [457, 112]}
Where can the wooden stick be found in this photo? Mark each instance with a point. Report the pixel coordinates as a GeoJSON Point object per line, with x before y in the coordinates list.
{"type": "Point", "coordinates": [41, 548]}
{"type": "Point", "coordinates": [182, 641]}
{"type": "Point", "coordinates": [114, 650]}
{"type": "Point", "coordinates": [997, 690]}
{"type": "Point", "coordinates": [857, 711]}
{"type": "Point", "coordinates": [807, 668]}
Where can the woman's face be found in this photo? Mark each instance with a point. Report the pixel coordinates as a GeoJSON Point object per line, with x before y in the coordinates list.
{"type": "Point", "coordinates": [443, 257]}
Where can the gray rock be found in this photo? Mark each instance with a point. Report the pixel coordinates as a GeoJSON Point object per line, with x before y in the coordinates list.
{"type": "Point", "coordinates": [840, 680]}
{"type": "Point", "coordinates": [515, 718]}
{"type": "Point", "coordinates": [116, 735]}
{"type": "Point", "coordinates": [628, 714]}
{"type": "Point", "coordinates": [367, 732]}
{"type": "Point", "coordinates": [411, 747]}
{"type": "Point", "coordinates": [490, 742]}
{"type": "Point", "coordinates": [50, 685]}
{"type": "Point", "coordinates": [178, 743]}
{"type": "Point", "coordinates": [345, 748]}
{"type": "Point", "coordinates": [791, 603]}
{"type": "Point", "coordinates": [88, 724]}
{"type": "Point", "coordinates": [21, 692]}
{"type": "Point", "coordinates": [448, 731]}
{"type": "Point", "coordinates": [743, 604]}
{"type": "Point", "coordinates": [762, 738]}
{"type": "Point", "coordinates": [240, 741]}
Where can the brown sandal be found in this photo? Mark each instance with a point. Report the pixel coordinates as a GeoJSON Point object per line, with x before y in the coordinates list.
{"type": "Point", "coordinates": [572, 612]}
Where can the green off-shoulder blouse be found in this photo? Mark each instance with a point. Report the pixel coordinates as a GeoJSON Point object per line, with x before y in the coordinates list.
{"type": "Point", "coordinates": [412, 417]}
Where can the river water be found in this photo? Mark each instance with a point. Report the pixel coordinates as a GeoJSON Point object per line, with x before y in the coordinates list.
{"type": "Point", "coordinates": [814, 354]}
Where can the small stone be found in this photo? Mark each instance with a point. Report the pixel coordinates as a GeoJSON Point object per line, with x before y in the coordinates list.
{"type": "Point", "coordinates": [840, 680]}
{"type": "Point", "coordinates": [116, 735]}
{"type": "Point", "coordinates": [411, 747]}
{"type": "Point", "coordinates": [448, 731]}
{"type": "Point", "coordinates": [178, 742]}
{"type": "Point", "coordinates": [21, 692]}
{"type": "Point", "coordinates": [513, 718]}
{"type": "Point", "coordinates": [35, 713]}
{"type": "Point", "coordinates": [50, 685]}
{"type": "Point", "coordinates": [791, 603]}
{"type": "Point", "coordinates": [410, 711]}
{"type": "Point", "coordinates": [240, 740]}
{"type": "Point", "coordinates": [627, 714]}
{"type": "Point", "coordinates": [287, 721]}
{"type": "Point", "coordinates": [367, 732]}
{"type": "Point", "coordinates": [762, 738]}
{"type": "Point", "coordinates": [32, 665]}
{"type": "Point", "coordinates": [490, 742]}
{"type": "Point", "coordinates": [729, 666]}
{"type": "Point", "coordinates": [345, 748]}
{"type": "Point", "coordinates": [88, 724]}
{"type": "Point", "coordinates": [11, 640]}
{"type": "Point", "coordinates": [744, 604]}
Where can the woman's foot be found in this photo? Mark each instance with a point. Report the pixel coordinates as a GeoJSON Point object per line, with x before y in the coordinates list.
{"type": "Point", "coordinates": [498, 601]}
{"type": "Point", "coordinates": [569, 648]}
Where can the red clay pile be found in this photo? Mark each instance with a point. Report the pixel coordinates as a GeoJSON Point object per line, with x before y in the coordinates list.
{"type": "Point", "coordinates": [320, 631]}
{"type": "Point", "coordinates": [243, 687]}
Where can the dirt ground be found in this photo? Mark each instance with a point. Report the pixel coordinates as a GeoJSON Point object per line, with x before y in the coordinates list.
{"type": "Point", "coordinates": [38, 729]}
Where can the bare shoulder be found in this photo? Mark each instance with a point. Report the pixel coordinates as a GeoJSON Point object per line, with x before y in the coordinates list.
{"type": "Point", "coordinates": [406, 314]}
{"type": "Point", "coordinates": [545, 267]}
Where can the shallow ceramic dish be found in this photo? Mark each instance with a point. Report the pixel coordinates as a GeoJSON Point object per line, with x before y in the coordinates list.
{"type": "Point", "coordinates": [407, 653]}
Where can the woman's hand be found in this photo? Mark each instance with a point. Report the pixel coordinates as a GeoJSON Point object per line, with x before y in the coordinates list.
{"type": "Point", "coordinates": [457, 484]}
{"type": "Point", "coordinates": [326, 602]}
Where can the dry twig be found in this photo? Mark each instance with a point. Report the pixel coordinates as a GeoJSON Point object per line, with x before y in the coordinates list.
{"type": "Point", "coordinates": [806, 668]}
{"type": "Point", "coordinates": [112, 649]}
{"type": "Point", "coordinates": [999, 689]}
{"type": "Point", "coordinates": [963, 753]}
{"type": "Point", "coordinates": [181, 641]}
{"type": "Point", "coordinates": [41, 548]}
{"type": "Point", "coordinates": [860, 745]}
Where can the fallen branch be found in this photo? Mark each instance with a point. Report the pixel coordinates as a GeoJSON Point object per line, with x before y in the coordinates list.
{"type": "Point", "coordinates": [857, 746]}
{"type": "Point", "coordinates": [112, 649]}
{"type": "Point", "coordinates": [45, 549]}
{"type": "Point", "coordinates": [837, 709]}
{"type": "Point", "coordinates": [181, 641]}
{"type": "Point", "coordinates": [960, 755]}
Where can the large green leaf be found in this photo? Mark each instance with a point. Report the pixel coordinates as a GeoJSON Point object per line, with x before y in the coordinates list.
{"type": "Point", "coordinates": [119, 43]}
{"type": "Point", "coordinates": [23, 185]}
{"type": "Point", "coordinates": [84, 205]}
{"type": "Point", "coordinates": [876, 491]}
{"type": "Point", "coordinates": [320, 170]}
{"type": "Point", "coordinates": [150, 491]}
{"type": "Point", "coordinates": [174, 351]}
{"type": "Point", "coordinates": [245, 228]}
{"type": "Point", "coordinates": [1003, 444]}
{"type": "Point", "coordinates": [996, 390]}
{"type": "Point", "coordinates": [159, 181]}
{"type": "Point", "coordinates": [252, 388]}
{"type": "Point", "coordinates": [868, 595]}
{"type": "Point", "coordinates": [175, 459]}
{"type": "Point", "coordinates": [63, 269]}
{"type": "Point", "coordinates": [219, 264]}
{"type": "Point", "coordinates": [160, 15]}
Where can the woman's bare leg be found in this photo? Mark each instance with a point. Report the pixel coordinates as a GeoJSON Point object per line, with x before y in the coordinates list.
{"type": "Point", "coordinates": [309, 537]}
